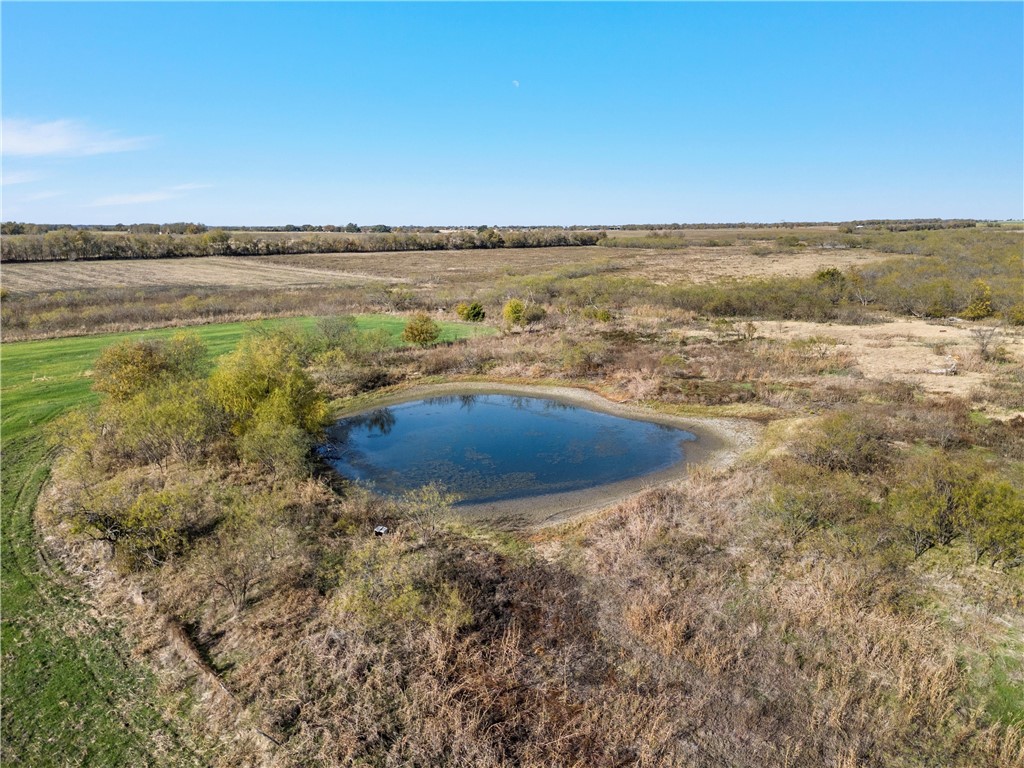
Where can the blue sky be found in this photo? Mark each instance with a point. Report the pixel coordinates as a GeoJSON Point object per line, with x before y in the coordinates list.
{"type": "Point", "coordinates": [536, 113]}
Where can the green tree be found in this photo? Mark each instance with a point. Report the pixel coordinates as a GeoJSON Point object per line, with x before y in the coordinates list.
{"type": "Point", "coordinates": [277, 447]}
{"type": "Point", "coordinates": [264, 372]}
{"type": "Point", "coordinates": [421, 330]}
{"type": "Point", "coordinates": [173, 420]}
{"type": "Point", "coordinates": [144, 526]}
{"type": "Point", "coordinates": [157, 525]}
{"type": "Point", "coordinates": [514, 312]}
{"type": "Point", "coordinates": [926, 506]}
{"type": "Point", "coordinates": [473, 313]}
{"type": "Point", "coordinates": [832, 283]}
{"type": "Point", "coordinates": [941, 499]}
{"type": "Point", "coordinates": [216, 242]}
{"type": "Point", "coordinates": [125, 369]}
{"type": "Point", "coordinates": [991, 517]}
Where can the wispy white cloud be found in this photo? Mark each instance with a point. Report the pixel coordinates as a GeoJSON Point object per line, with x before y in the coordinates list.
{"type": "Point", "coordinates": [63, 138]}
{"type": "Point", "coordinates": [39, 196]}
{"type": "Point", "coordinates": [142, 197]}
{"type": "Point", "coordinates": [154, 196]}
{"type": "Point", "coordinates": [11, 178]}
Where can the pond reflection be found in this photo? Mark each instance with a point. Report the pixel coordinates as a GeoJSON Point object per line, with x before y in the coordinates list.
{"type": "Point", "coordinates": [495, 447]}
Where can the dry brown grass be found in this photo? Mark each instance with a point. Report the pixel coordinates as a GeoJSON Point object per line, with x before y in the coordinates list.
{"type": "Point", "coordinates": [216, 271]}
{"type": "Point", "coordinates": [466, 271]}
{"type": "Point", "coordinates": [687, 626]}
{"type": "Point", "coordinates": [679, 628]}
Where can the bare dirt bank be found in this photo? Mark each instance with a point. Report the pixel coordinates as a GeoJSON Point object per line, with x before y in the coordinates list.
{"type": "Point", "coordinates": [720, 441]}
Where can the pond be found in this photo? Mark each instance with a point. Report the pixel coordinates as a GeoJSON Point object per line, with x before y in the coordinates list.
{"type": "Point", "coordinates": [496, 447]}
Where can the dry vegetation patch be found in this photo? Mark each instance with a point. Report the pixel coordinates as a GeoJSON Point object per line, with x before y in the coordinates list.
{"type": "Point", "coordinates": [846, 592]}
{"type": "Point", "coordinates": [942, 358]}
{"type": "Point", "coordinates": [206, 271]}
{"type": "Point", "coordinates": [465, 269]}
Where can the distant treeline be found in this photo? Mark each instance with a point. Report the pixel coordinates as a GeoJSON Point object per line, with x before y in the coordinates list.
{"type": "Point", "coordinates": [194, 228]}
{"type": "Point", "coordinates": [70, 244]}
{"type": "Point", "coordinates": [892, 225]}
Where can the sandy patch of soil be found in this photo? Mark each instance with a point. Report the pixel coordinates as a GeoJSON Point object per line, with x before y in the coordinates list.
{"type": "Point", "coordinates": [910, 350]}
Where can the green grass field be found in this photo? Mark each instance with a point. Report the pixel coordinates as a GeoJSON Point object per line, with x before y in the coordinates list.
{"type": "Point", "coordinates": [40, 379]}
{"type": "Point", "coordinates": [72, 694]}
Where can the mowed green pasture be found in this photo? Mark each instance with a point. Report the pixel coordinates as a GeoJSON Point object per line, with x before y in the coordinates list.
{"type": "Point", "coordinates": [40, 379]}
{"type": "Point", "coordinates": [72, 694]}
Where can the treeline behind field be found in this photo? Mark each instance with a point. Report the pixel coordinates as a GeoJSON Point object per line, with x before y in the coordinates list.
{"type": "Point", "coordinates": [890, 225]}
{"type": "Point", "coordinates": [82, 244]}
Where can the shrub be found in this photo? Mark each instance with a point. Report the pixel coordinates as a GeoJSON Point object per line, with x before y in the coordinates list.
{"type": "Point", "coordinates": [382, 584]}
{"type": "Point", "coordinates": [427, 507]}
{"type": "Point", "coordinates": [844, 442]}
{"type": "Point", "coordinates": [266, 368]}
{"type": "Point", "coordinates": [421, 330]}
{"type": "Point", "coordinates": [473, 313]}
{"type": "Point", "coordinates": [336, 332]}
{"type": "Point", "coordinates": [979, 305]}
{"type": "Point", "coordinates": [368, 347]}
{"type": "Point", "coordinates": [517, 312]}
{"type": "Point", "coordinates": [338, 338]}
{"type": "Point", "coordinates": [238, 559]}
{"type": "Point", "coordinates": [177, 420]}
{"type": "Point", "coordinates": [125, 369]}
{"type": "Point", "coordinates": [987, 340]}
{"type": "Point", "coordinates": [533, 313]}
{"type": "Point", "coordinates": [513, 312]}
{"type": "Point", "coordinates": [279, 448]}
{"type": "Point", "coordinates": [806, 498]}
{"type": "Point", "coordinates": [599, 314]}
{"type": "Point", "coordinates": [1014, 315]}
{"type": "Point", "coordinates": [582, 358]}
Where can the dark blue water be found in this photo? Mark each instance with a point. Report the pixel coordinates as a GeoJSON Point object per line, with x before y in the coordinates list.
{"type": "Point", "coordinates": [487, 448]}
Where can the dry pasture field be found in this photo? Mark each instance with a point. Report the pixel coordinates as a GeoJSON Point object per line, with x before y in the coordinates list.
{"type": "Point", "coordinates": [480, 267]}
{"type": "Point", "coordinates": [207, 271]}
{"type": "Point", "coordinates": [466, 268]}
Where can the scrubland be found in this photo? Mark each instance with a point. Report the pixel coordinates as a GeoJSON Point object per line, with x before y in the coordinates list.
{"type": "Point", "coordinates": [845, 592]}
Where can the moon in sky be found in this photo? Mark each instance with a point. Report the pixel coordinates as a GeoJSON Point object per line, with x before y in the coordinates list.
{"type": "Point", "coordinates": [515, 83]}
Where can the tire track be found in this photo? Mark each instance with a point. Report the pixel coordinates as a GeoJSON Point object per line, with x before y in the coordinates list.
{"type": "Point", "coordinates": [55, 589]}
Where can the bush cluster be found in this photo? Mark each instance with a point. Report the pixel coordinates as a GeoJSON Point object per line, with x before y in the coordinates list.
{"type": "Point", "coordinates": [259, 407]}
{"type": "Point", "coordinates": [421, 330]}
{"type": "Point", "coordinates": [470, 312]}
{"type": "Point", "coordinates": [843, 470]}
{"type": "Point", "coordinates": [937, 500]}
